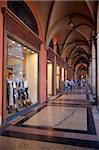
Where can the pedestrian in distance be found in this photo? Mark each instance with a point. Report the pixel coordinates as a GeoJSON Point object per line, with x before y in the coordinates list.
{"type": "Point", "coordinates": [67, 86]}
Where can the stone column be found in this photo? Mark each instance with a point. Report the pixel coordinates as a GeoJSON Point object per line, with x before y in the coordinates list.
{"type": "Point", "coordinates": [55, 49]}
{"type": "Point", "coordinates": [93, 69]}
{"type": "Point", "coordinates": [98, 56]}
{"type": "Point", "coordinates": [90, 75]}
{"type": "Point", "coordinates": [55, 75]}
{"type": "Point", "coordinates": [60, 84]}
{"type": "Point", "coordinates": [42, 74]}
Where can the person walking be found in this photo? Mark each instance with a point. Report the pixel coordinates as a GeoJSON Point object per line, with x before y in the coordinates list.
{"type": "Point", "coordinates": [71, 84]}
{"type": "Point", "coordinates": [67, 86]}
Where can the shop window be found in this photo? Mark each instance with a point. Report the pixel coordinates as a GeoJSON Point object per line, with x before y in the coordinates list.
{"type": "Point", "coordinates": [62, 74]}
{"type": "Point", "coordinates": [21, 76]}
{"type": "Point", "coordinates": [65, 74]}
{"type": "Point", "coordinates": [63, 78]}
{"type": "Point", "coordinates": [21, 10]}
{"type": "Point", "coordinates": [49, 78]}
{"type": "Point", "coordinates": [57, 77]}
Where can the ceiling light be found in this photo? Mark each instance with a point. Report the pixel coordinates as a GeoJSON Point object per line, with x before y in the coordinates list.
{"type": "Point", "coordinates": [28, 50]}
{"type": "Point", "coordinates": [71, 25]}
{"type": "Point", "coordinates": [10, 53]}
{"type": "Point", "coordinates": [24, 47]}
{"type": "Point", "coordinates": [19, 45]}
{"type": "Point", "coordinates": [13, 42]}
{"type": "Point", "coordinates": [33, 52]}
{"type": "Point", "coordinates": [71, 22]}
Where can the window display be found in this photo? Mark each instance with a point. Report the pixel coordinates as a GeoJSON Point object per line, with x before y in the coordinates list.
{"type": "Point", "coordinates": [57, 77]}
{"type": "Point", "coordinates": [22, 76]}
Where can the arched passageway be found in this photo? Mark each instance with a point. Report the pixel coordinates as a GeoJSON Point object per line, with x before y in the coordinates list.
{"type": "Point", "coordinates": [49, 74]}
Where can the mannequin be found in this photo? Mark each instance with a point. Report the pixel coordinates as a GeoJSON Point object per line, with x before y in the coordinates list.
{"type": "Point", "coordinates": [10, 101]}
{"type": "Point", "coordinates": [25, 82]}
{"type": "Point", "coordinates": [28, 101]}
{"type": "Point", "coordinates": [23, 91]}
{"type": "Point", "coordinates": [12, 94]}
{"type": "Point", "coordinates": [15, 92]}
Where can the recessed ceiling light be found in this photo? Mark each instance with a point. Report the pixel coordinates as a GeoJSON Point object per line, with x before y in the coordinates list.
{"type": "Point", "coordinates": [28, 50]}
{"type": "Point", "coordinates": [13, 42]}
{"type": "Point", "coordinates": [24, 47]}
{"type": "Point", "coordinates": [19, 45]}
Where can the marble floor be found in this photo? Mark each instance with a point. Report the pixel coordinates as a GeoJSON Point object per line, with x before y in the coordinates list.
{"type": "Point", "coordinates": [60, 117]}
{"type": "Point", "coordinates": [66, 122]}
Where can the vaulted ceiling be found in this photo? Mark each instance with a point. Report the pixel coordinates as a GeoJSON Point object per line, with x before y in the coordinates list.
{"type": "Point", "coordinates": [71, 24]}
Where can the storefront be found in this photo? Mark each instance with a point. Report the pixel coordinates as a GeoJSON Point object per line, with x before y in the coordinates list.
{"type": "Point", "coordinates": [50, 73]}
{"type": "Point", "coordinates": [21, 60]}
{"type": "Point", "coordinates": [66, 76]}
{"type": "Point", "coordinates": [58, 74]}
{"type": "Point", "coordinates": [57, 78]}
{"type": "Point", "coordinates": [21, 76]}
{"type": "Point", "coordinates": [49, 78]}
{"type": "Point", "coordinates": [63, 74]}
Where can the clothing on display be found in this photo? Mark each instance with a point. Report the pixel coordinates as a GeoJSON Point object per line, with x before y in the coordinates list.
{"type": "Point", "coordinates": [17, 91]}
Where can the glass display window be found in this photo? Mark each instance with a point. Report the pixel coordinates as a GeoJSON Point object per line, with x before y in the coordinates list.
{"type": "Point", "coordinates": [21, 76]}
{"type": "Point", "coordinates": [57, 77]}
{"type": "Point", "coordinates": [63, 74]}
{"type": "Point", "coordinates": [49, 78]}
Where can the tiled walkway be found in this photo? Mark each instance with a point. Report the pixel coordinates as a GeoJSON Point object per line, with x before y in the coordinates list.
{"type": "Point", "coordinates": [68, 122]}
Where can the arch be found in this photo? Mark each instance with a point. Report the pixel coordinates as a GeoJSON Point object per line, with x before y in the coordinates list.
{"type": "Point", "coordinates": [76, 50]}
{"type": "Point", "coordinates": [82, 71]}
{"type": "Point", "coordinates": [79, 59]}
{"type": "Point", "coordinates": [79, 65]}
{"type": "Point", "coordinates": [49, 17]}
{"type": "Point", "coordinates": [87, 43]}
{"type": "Point", "coordinates": [37, 17]}
{"type": "Point", "coordinates": [89, 23]}
{"type": "Point", "coordinates": [90, 9]}
{"type": "Point", "coordinates": [77, 32]}
{"type": "Point", "coordinates": [22, 11]}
